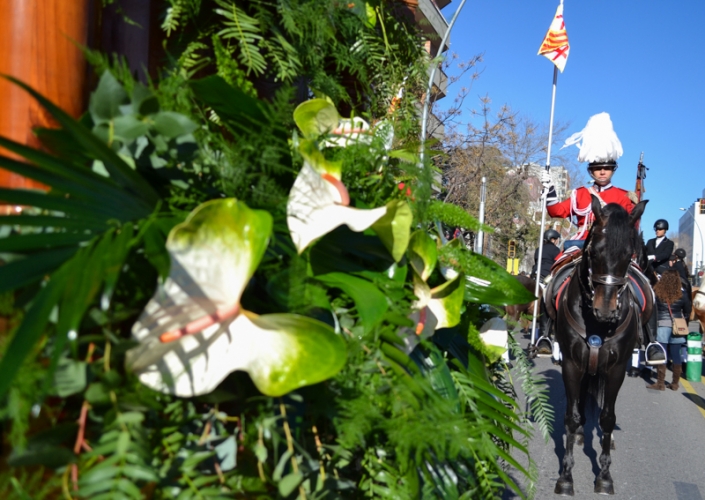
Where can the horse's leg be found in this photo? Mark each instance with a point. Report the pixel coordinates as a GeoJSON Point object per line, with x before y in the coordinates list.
{"type": "Point", "coordinates": [613, 382]}
{"type": "Point", "coordinates": [580, 433]}
{"type": "Point", "coordinates": [572, 377]}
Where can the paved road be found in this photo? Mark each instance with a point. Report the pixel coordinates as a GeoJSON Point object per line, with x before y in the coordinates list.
{"type": "Point", "coordinates": [660, 443]}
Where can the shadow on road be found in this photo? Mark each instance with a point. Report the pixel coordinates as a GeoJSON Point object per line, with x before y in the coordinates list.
{"type": "Point", "coordinates": [593, 434]}
{"type": "Point", "coordinates": [699, 401]}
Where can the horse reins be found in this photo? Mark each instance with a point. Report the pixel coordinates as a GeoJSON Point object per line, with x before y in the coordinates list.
{"type": "Point", "coordinates": [603, 279]}
{"type": "Point", "coordinates": [595, 342]}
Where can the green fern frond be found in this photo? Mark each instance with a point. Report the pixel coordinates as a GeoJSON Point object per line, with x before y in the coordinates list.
{"type": "Point", "coordinates": [246, 31]}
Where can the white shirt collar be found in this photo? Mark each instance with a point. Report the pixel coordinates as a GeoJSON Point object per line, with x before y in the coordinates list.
{"type": "Point", "coordinates": [600, 189]}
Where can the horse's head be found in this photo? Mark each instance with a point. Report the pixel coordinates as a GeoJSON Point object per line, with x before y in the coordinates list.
{"type": "Point", "coordinates": [610, 246]}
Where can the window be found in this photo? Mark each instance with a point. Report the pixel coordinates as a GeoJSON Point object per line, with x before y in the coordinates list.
{"type": "Point", "coordinates": [702, 205]}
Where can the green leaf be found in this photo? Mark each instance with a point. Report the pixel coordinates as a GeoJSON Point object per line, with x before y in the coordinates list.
{"type": "Point", "coordinates": [394, 228]}
{"type": "Point", "coordinates": [370, 302]}
{"type": "Point", "coordinates": [25, 271]}
{"type": "Point", "coordinates": [447, 301]}
{"type": "Point", "coordinates": [171, 124]}
{"type": "Point", "coordinates": [31, 242]}
{"type": "Point", "coordinates": [232, 105]}
{"type": "Point", "coordinates": [47, 221]}
{"type": "Point", "coordinates": [422, 254]}
{"type": "Point", "coordinates": [119, 171]}
{"type": "Point", "coordinates": [97, 394]}
{"type": "Point", "coordinates": [105, 102]}
{"type": "Point", "coordinates": [69, 377]}
{"type": "Point", "coordinates": [405, 155]}
{"type": "Point", "coordinates": [52, 457]}
{"type": "Point", "coordinates": [316, 117]}
{"type": "Point", "coordinates": [79, 209]}
{"type": "Point", "coordinates": [123, 443]}
{"type": "Point", "coordinates": [129, 128]}
{"type": "Point", "coordinates": [486, 281]}
{"type": "Point", "coordinates": [453, 215]}
{"type": "Point", "coordinates": [289, 483]}
{"type": "Point", "coordinates": [144, 102]}
{"type": "Point", "coordinates": [69, 177]}
{"type": "Point", "coordinates": [31, 329]}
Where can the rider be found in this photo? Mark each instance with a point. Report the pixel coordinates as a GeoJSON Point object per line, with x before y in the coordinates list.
{"type": "Point", "coordinates": [679, 264]}
{"type": "Point", "coordinates": [659, 249]}
{"type": "Point", "coordinates": [548, 256]}
{"type": "Point", "coordinates": [600, 148]}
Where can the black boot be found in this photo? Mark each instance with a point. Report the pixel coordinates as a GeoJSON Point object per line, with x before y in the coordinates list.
{"type": "Point", "coordinates": [654, 354]}
{"type": "Point", "coordinates": [543, 344]}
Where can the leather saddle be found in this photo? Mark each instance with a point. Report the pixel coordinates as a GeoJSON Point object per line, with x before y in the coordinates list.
{"type": "Point", "coordinates": [562, 272]}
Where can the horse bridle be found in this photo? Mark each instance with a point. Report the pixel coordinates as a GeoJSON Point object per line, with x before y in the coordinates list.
{"type": "Point", "coordinates": [603, 279]}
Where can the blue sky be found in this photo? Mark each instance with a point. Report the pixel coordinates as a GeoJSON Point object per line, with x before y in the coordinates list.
{"type": "Point", "coordinates": [643, 62]}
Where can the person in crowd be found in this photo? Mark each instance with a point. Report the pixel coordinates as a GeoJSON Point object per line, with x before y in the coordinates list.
{"type": "Point", "coordinates": [542, 269]}
{"type": "Point", "coordinates": [672, 301]}
{"type": "Point", "coordinates": [600, 148]}
{"type": "Point", "coordinates": [678, 263]}
{"type": "Point", "coordinates": [549, 254]}
{"type": "Point", "coordinates": [660, 248]}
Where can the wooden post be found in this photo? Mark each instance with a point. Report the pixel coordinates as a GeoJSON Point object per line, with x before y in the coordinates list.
{"type": "Point", "coordinates": [38, 46]}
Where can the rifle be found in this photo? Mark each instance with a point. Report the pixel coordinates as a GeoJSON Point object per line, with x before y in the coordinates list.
{"type": "Point", "coordinates": [640, 176]}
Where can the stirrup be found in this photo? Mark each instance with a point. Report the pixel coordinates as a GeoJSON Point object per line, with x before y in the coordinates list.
{"type": "Point", "coordinates": [656, 358]}
{"type": "Point", "coordinates": [544, 348]}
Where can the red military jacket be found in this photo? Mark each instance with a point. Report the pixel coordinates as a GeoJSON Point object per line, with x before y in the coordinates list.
{"type": "Point", "coordinates": [579, 205]}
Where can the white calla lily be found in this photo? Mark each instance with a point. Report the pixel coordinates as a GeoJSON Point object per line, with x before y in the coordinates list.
{"type": "Point", "coordinates": [349, 131]}
{"type": "Point", "coordinates": [318, 204]}
{"type": "Point", "coordinates": [193, 332]}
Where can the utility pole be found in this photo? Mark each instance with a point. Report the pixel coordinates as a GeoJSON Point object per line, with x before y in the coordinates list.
{"type": "Point", "coordinates": [481, 234]}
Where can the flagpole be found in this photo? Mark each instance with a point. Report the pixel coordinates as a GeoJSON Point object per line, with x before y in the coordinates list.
{"type": "Point", "coordinates": [544, 193]}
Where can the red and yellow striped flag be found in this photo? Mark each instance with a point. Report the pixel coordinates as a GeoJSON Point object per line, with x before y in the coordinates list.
{"type": "Point", "coordinates": [555, 45]}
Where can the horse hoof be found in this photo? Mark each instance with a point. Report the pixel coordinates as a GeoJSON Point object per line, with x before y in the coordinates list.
{"type": "Point", "coordinates": [564, 488]}
{"type": "Point", "coordinates": [579, 439]}
{"type": "Point", "coordinates": [604, 487]}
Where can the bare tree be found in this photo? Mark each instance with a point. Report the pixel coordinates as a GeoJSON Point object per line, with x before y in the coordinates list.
{"type": "Point", "coordinates": [496, 146]}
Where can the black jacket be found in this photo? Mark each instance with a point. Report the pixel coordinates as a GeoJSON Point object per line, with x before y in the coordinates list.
{"type": "Point", "coordinates": [680, 309]}
{"type": "Point", "coordinates": [679, 266]}
{"type": "Point", "coordinates": [662, 253]}
{"type": "Point", "coordinates": [548, 257]}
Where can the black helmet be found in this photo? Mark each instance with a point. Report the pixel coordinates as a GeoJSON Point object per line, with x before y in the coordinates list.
{"type": "Point", "coordinates": [680, 253]}
{"type": "Point", "coordinates": [661, 224]}
{"type": "Point", "coordinates": [550, 235]}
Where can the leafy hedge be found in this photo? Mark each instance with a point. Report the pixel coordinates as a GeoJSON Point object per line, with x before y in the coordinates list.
{"type": "Point", "coordinates": [228, 292]}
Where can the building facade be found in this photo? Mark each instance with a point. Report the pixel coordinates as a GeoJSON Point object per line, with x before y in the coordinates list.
{"type": "Point", "coordinates": [690, 236]}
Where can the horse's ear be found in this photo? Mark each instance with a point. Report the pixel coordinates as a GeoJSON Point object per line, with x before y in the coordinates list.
{"type": "Point", "coordinates": [596, 209]}
{"type": "Point", "coordinates": [637, 212]}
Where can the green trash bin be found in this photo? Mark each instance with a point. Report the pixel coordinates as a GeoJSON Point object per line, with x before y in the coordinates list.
{"type": "Point", "coordinates": [694, 366]}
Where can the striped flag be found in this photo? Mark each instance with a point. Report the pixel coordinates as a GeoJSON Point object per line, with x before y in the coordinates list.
{"type": "Point", "coordinates": [555, 45]}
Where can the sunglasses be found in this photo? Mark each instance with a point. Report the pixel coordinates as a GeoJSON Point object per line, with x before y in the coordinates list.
{"type": "Point", "coordinates": [597, 169]}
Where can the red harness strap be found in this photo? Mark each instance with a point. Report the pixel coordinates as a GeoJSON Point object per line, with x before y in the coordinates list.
{"type": "Point", "coordinates": [560, 290]}
{"type": "Point", "coordinates": [641, 292]}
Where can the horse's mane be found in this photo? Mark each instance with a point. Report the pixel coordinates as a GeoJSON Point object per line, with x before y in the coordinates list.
{"type": "Point", "coordinates": [618, 231]}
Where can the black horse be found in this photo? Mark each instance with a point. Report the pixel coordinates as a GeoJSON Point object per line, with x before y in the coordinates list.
{"type": "Point", "coordinates": [597, 326]}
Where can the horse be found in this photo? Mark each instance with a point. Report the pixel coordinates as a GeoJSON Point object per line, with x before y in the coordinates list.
{"type": "Point", "coordinates": [514, 312]}
{"type": "Point", "coordinates": [597, 326]}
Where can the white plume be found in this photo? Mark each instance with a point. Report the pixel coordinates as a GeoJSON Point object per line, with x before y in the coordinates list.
{"type": "Point", "coordinates": [599, 140]}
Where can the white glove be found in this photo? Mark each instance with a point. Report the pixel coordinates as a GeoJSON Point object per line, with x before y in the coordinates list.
{"type": "Point", "coordinates": [546, 178]}
{"type": "Point", "coordinates": [651, 257]}
{"type": "Point", "coordinates": [549, 190]}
